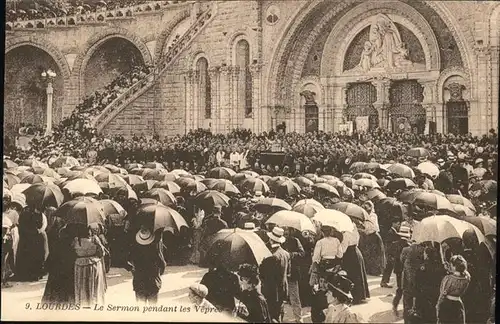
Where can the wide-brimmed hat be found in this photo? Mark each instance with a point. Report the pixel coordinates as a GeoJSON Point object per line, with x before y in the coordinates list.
{"type": "Point", "coordinates": [404, 232]}
{"type": "Point", "coordinates": [341, 284]}
{"type": "Point", "coordinates": [199, 290]}
{"type": "Point", "coordinates": [249, 226]}
{"type": "Point", "coordinates": [277, 235]}
{"type": "Point", "coordinates": [144, 237]}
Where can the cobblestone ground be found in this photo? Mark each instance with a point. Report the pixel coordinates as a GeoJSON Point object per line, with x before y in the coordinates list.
{"type": "Point", "coordinates": [20, 302]}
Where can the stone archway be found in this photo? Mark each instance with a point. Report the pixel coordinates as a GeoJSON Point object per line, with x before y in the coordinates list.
{"type": "Point", "coordinates": [43, 44]}
{"type": "Point", "coordinates": [93, 44]}
{"type": "Point", "coordinates": [287, 60]}
{"type": "Point", "coordinates": [162, 39]}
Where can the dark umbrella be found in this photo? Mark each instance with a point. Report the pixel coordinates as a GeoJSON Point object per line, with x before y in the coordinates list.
{"type": "Point", "coordinates": [272, 203]}
{"type": "Point", "coordinates": [486, 225]}
{"type": "Point", "coordinates": [7, 164]}
{"type": "Point", "coordinates": [325, 187]}
{"type": "Point", "coordinates": [11, 180]}
{"type": "Point", "coordinates": [418, 152]}
{"type": "Point", "coordinates": [209, 199]}
{"type": "Point", "coordinates": [221, 173]}
{"type": "Point", "coordinates": [189, 184]}
{"type": "Point", "coordinates": [232, 247]}
{"type": "Point", "coordinates": [286, 189]}
{"type": "Point", "coordinates": [375, 194]}
{"type": "Point", "coordinates": [240, 177]}
{"type": "Point", "coordinates": [40, 195]}
{"type": "Point", "coordinates": [400, 184]}
{"type": "Point", "coordinates": [225, 186]}
{"type": "Point", "coordinates": [144, 186]}
{"type": "Point", "coordinates": [158, 216]}
{"type": "Point", "coordinates": [83, 210]}
{"type": "Point", "coordinates": [254, 184]}
{"type": "Point", "coordinates": [389, 209]}
{"type": "Point", "coordinates": [168, 185]}
{"type": "Point", "coordinates": [163, 196]}
{"type": "Point", "coordinates": [352, 210]}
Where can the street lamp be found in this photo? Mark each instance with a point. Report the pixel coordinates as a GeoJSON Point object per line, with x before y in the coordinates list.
{"type": "Point", "coordinates": [49, 76]}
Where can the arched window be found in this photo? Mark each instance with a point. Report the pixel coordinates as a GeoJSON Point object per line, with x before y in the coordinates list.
{"type": "Point", "coordinates": [204, 87]}
{"type": "Point", "coordinates": [245, 84]}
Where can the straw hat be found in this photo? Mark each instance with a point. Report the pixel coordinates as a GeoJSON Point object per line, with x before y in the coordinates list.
{"type": "Point", "coordinates": [249, 226]}
{"type": "Point", "coordinates": [199, 290]}
{"type": "Point", "coordinates": [144, 237]}
{"type": "Point", "coordinates": [341, 283]}
{"type": "Point", "coordinates": [277, 235]}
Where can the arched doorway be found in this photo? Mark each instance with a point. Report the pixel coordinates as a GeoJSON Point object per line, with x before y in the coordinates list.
{"type": "Point", "coordinates": [111, 59]}
{"type": "Point", "coordinates": [360, 109]}
{"type": "Point", "coordinates": [406, 112]}
{"type": "Point", "coordinates": [25, 98]}
{"type": "Point", "coordinates": [457, 109]}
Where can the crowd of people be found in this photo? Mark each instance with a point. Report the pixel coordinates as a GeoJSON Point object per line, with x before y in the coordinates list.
{"type": "Point", "coordinates": [451, 280]}
{"type": "Point", "coordinates": [41, 9]}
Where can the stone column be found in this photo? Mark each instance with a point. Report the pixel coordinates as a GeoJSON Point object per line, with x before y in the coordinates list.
{"type": "Point", "coordinates": [339, 97]}
{"type": "Point", "coordinates": [196, 99]}
{"type": "Point", "coordinates": [495, 82]}
{"type": "Point", "coordinates": [50, 92]}
{"type": "Point", "coordinates": [429, 102]}
{"type": "Point", "coordinates": [225, 99]}
{"type": "Point", "coordinates": [383, 103]}
{"type": "Point", "coordinates": [234, 88]}
{"type": "Point", "coordinates": [257, 111]}
{"type": "Point", "coordinates": [189, 81]}
{"type": "Point", "coordinates": [215, 109]}
{"type": "Point", "coordinates": [482, 108]}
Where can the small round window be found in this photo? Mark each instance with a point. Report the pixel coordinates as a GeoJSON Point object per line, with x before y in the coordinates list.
{"type": "Point", "coordinates": [272, 15]}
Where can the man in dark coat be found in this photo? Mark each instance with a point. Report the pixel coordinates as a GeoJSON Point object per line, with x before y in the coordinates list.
{"type": "Point", "coordinates": [391, 242]}
{"type": "Point", "coordinates": [293, 246]}
{"type": "Point", "coordinates": [221, 295]}
{"type": "Point", "coordinates": [211, 225]}
{"type": "Point", "coordinates": [412, 258]}
{"type": "Point", "coordinates": [274, 272]}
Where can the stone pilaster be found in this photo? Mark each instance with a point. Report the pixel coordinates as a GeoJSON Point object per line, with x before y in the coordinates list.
{"type": "Point", "coordinates": [482, 107]}
{"type": "Point", "coordinates": [225, 99]}
{"type": "Point", "coordinates": [215, 108]}
{"type": "Point", "coordinates": [190, 107]}
{"type": "Point", "coordinates": [428, 102]}
{"type": "Point", "coordinates": [196, 99]}
{"type": "Point", "coordinates": [495, 82]}
{"type": "Point", "coordinates": [383, 103]}
{"type": "Point", "coordinates": [235, 91]}
{"type": "Point", "coordinates": [257, 111]}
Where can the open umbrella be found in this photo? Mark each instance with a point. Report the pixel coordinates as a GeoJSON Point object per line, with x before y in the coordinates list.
{"type": "Point", "coordinates": [440, 228]}
{"type": "Point", "coordinates": [133, 179]}
{"type": "Point", "coordinates": [225, 186]}
{"type": "Point", "coordinates": [273, 203]}
{"type": "Point", "coordinates": [401, 184]}
{"type": "Point", "coordinates": [325, 187]}
{"type": "Point", "coordinates": [144, 186]}
{"type": "Point", "coordinates": [330, 177]}
{"type": "Point", "coordinates": [126, 192]}
{"type": "Point", "coordinates": [11, 180]}
{"type": "Point", "coordinates": [179, 172]}
{"type": "Point", "coordinates": [402, 170]}
{"type": "Point", "coordinates": [303, 181]}
{"type": "Point", "coordinates": [20, 187]}
{"type": "Point", "coordinates": [485, 186]}
{"type": "Point", "coordinates": [388, 210]}
{"type": "Point", "coordinates": [428, 199]}
{"type": "Point", "coordinates": [429, 168]}
{"type": "Point", "coordinates": [418, 152]}
{"type": "Point", "coordinates": [334, 218]}
{"type": "Point", "coordinates": [81, 175]}
{"type": "Point", "coordinates": [162, 195]}
{"type": "Point", "coordinates": [375, 194]}
{"type": "Point", "coordinates": [352, 210]}
{"type": "Point", "coordinates": [486, 225]}
{"type": "Point", "coordinates": [189, 184]}
{"type": "Point", "coordinates": [240, 177]}
{"type": "Point", "coordinates": [286, 189]}
{"type": "Point", "coordinates": [35, 178]}
{"type": "Point", "coordinates": [129, 167]}
{"type": "Point", "coordinates": [309, 201]}
{"type": "Point", "coordinates": [7, 164]}
{"type": "Point", "coordinates": [49, 173]}
{"type": "Point", "coordinates": [168, 185]}
{"type": "Point", "coordinates": [275, 181]}
{"type": "Point", "coordinates": [158, 216]}
{"type": "Point", "coordinates": [367, 183]}
{"type": "Point", "coordinates": [221, 173]}
{"type": "Point", "coordinates": [463, 211]}
{"type": "Point", "coordinates": [65, 161]}
{"type": "Point", "coordinates": [288, 218]}
{"type": "Point", "coordinates": [251, 173]}
{"type": "Point", "coordinates": [34, 163]}
{"type": "Point", "coordinates": [210, 181]}
{"type": "Point", "coordinates": [232, 247]}
{"type": "Point", "coordinates": [82, 210]}
{"type": "Point", "coordinates": [254, 184]}
{"type": "Point", "coordinates": [209, 199]}
{"type": "Point", "coordinates": [111, 207]}
{"type": "Point", "coordinates": [357, 166]}
{"type": "Point", "coordinates": [265, 178]}
{"type": "Point", "coordinates": [154, 165]}
{"type": "Point", "coordinates": [364, 175]}
{"type": "Point", "coordinates": [307, 209]}
{"type": "Point", "coordinates": [154, 174]}
{"type": "Point", "coordinates": [113, 180]}
{"type": "Point", "coordinates": [83, 186]}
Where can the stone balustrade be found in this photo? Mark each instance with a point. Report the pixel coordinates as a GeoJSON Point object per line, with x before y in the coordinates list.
{"type": "Point", "coordinates": [94, 17]}
{"type": "Point", "coordinates": [144, 84]}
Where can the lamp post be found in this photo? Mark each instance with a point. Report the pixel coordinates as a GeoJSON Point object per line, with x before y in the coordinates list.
{"type": "Point", "coordinates": [49, 76]}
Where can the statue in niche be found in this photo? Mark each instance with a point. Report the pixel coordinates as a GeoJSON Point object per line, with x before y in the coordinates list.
{"type": "Point", "coordinates": [309, 97]}
{"type": "Point", "coordinates": [384, 50]}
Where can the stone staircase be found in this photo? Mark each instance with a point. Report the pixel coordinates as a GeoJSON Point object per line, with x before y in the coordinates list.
{"type": "Point", "coordinates": [140, 87]}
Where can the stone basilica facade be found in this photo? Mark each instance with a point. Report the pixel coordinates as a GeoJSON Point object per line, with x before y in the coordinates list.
{"type": "Point", "coordinates": [422, 66]}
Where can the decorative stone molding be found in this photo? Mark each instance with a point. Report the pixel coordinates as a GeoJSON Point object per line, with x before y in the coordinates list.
{"type": "Point", "coordinates": [95, 42]}
{"type": "Point", "coordinates": [163, 37]}
{"type": "Point", "coordinates": [45, 45]}
{"type": "Point", "coordinates": [244, 33]}
{"type": "Point", "coordinates": [445, 75]}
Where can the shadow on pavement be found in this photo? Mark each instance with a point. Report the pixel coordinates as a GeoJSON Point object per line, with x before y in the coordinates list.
{"type": "Point", "coordinates": [384, 317]}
